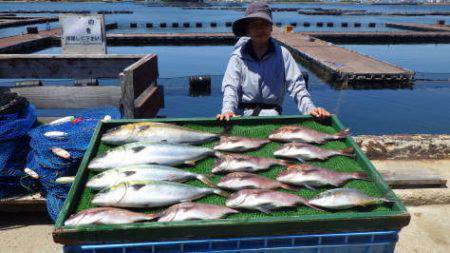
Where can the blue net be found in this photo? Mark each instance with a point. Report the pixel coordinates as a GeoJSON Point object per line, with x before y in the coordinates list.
{"type": "Point", "coordinates": [50, 164]}
{"type": "Point", "coordinates": [14, 147]}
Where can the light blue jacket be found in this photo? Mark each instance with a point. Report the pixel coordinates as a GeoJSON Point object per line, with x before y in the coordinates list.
{"type": "Point", "coordinates": [247, 80]}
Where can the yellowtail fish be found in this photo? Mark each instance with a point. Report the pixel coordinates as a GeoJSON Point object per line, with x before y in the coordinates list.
{"type": "Point", "coordinates": [155, 132]}
{"type": "Point", "coordinates": [151, 194]}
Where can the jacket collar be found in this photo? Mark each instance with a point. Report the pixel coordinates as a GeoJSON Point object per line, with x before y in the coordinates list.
{"type": "Point", "coordinates": [247, 50]}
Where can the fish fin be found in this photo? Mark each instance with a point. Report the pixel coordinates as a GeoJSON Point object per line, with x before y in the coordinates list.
{"type": "Point", "coordinates": [289, 187]}
{"type": "Point", "coordinates": [361, 176]}
{"type": "Point", "coordinates": [128, 173]}
{"type": "Point", "coordinates": [218, 154]}
{"type": "Point", "coordinates": [310, 187]}
{"type": "Point", "coordinates": [190, 163]}
{"type": "Point", "coordinates": [309, 170]}
{"type": "Point", "coordinates": [347, 152]}
{"type": "Point", "coordinates": [137, 148]}
{"type": "Point", "coordinates": [204, 179]}
{"type": "Point", "coordinates": [266, 208]}
{"type": "Point", "coordinates": [301, 160]}
{"type": "Point", "coordinates": [342, 134]}
{"type": "Point", "coordinates": [221, 193]}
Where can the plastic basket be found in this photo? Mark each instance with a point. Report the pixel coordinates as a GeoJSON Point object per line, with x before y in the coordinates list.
{"type": "Point", "coordinates": [367, 242]}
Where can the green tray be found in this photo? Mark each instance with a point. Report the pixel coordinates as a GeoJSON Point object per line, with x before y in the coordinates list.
{"type": "Point", "coordinates": [300, 220]}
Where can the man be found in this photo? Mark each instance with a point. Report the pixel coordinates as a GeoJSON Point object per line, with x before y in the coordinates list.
{"type": "Point", "coordinates": [260, 71]}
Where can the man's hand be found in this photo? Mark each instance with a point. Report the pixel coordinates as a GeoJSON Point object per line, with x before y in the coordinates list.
{"type": "Point", "coordinates": [320, 113]}
{"type": "Point", "coordinates": [225, 116]}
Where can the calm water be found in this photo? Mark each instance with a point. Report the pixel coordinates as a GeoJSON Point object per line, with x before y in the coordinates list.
{"type": "Point", "coordinates": [386, 111]}
{"type": "Point", "coordinates": [143, 14]}
{"type": "Point", "coordinates": [397, 111]}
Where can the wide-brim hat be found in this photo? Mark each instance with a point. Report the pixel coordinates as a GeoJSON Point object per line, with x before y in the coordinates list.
{"type": "Point", "coordinates": [253, 12]}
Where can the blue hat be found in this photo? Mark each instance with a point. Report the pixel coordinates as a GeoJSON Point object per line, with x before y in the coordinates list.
{"type": "Point", "coordinates": [254, 11]}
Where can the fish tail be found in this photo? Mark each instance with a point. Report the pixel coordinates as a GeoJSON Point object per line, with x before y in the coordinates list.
{"type": "Point", "coordinates": [361, 175]}
{"type": "Point", "coordinates": [348, 152]}
{"type": "Point", "coordinates": [342, 134]}
{"type": "Point", "coordinates": [306, 203]}
{"type": "Point", "coordinates": [221, 193]}
{"type": "Point", "coordinates": [289, 187]}
{"type": "Point", "coordinates": [204, 179]}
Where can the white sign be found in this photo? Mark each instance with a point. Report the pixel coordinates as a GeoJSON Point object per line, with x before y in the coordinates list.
{"type": "Point", "coordinates": [83, 34]}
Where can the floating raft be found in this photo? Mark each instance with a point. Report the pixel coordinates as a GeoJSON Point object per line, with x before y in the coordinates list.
{"type": "Point", "coordinates": [341, 66]}
{"type": "Point", "coordinates": [18, 21]}
{"type": "Point", "coordinates": [419, 27]}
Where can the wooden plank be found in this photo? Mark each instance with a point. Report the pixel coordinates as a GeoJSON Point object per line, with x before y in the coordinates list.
{"type": "Point", "coordinates": [149, 102]}
{"type": "Point", "coordinates": [60, 97]}
{"type": "Point", "coordinates": [145, 72]}
{"type": "Point", "coordinates": [27, 21]}
{"type": "Point", "coordinates": [64, 66]}
{"type": "Point", "coordinates": [413, 178]}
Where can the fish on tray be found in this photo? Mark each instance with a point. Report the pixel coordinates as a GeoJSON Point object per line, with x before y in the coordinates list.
{"type": "Point", "coordinates": [243, 180]}
{"type": "Point", "coordinates": [154, 172]}
{"type": "Point", "coordinates": [155, 132]}
{"type": "Point", "coordinates": [265, 200]}
{"type": "Point", "coordinates": [106, 215]}
{"type": "Point", "coordinates": [344, 198]}
{"type": "Point", "coordinates": [312, 176]}
{"type": "Point", "coordinates": [303, 151]}
{"type": "Point", "coordinates": [244, 163]}
{"type": "Point", "coordinates": [141, 194]}
{"type": "Point", "coordinates": [239, 144]}
{"type": "Point", "coordinates": [304, 134]}
{"type": "Point", "coordinates": [194, 211]}
{"type": "Point", "coordinates": [145, 152]}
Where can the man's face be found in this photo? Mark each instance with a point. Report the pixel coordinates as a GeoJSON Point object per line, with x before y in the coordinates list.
{"type": "Point", "coordinates": [259, 30]}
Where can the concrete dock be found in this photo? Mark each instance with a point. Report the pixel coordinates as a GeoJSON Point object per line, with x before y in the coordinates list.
{"type": "Point", "coordinates": [341, 65]}
{"type": "Point", "coordinates": [419, 27]}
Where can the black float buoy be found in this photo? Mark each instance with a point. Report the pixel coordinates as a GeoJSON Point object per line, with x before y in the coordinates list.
{"type": "Point", "coordinates": [372, 25]}
{"type": "Point", "coordinates": [199, 86]}
{"type": "Point", "coordinates": [306, 24]}
{"type": "Point", "coordinates": [149, 25]}
{"type": "Point", "coordinates": [294, 24]}
{"type": "Point", "coordinates": [213, 24]}
{"type": "Point", "coordinates": [357, 24]}
{"type": "Point", "coordinates": [344, 24]}
{"type": "Point", "coordinates": [163, 25]}
{"type": "Point", "coordinates": [198, 24]}
{"type": "Point", "coordinates": [32, 30]}
{"type": "Point", "coordinates": [175, 25]}
{"type": "Point", "coordinates": [85, 82]}
{"type": "Point", "coordinates": [330, 24]}
{"type": "Point", "coordinates": [186, 24]}
{"type": "Point", "coordinates": [319, 24]}
{"type": "Point", "coordinates": [133, 25]}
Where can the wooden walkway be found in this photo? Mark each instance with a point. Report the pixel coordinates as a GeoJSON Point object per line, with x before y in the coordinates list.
{"type": "Point", "coordinates": [340, 65]}
{"type": "Point", "coordinates": [419, 27]}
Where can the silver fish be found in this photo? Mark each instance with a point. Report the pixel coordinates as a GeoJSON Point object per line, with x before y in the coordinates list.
{"type": "Point", "coordinates": [264, 200]}
{"type": "Point", "coordinates": [58, 135]}
{"type": "Point", "coordinates": [303, 151]}
{"type": "Point", "coordinates": [194, 211]}
{"type": "Point", "coordinates": [245, 163]}
{"type": "Point", "coordinates": [155, 132]}
{"type": "Point", "coordinates": [150, 194]}
{"type": "Point", "coordinates": [239, 144]}
{"type": "Point", "coordinates": [344, 198]}
{"type": "Point", "coordinates": [155, 172]}
{"type": "Point", "coordinates": [60, 152]}
{"type": "Point", "coordinates": [242, 180]}
{"type": "Point", "coordinates": [144, 152]}
{"type": "Point", "coordinates": [304, 134]}
{"type": "Point", "coordinates": [312, 176]}
{"type": "Point", "coordinates": [106, 215]}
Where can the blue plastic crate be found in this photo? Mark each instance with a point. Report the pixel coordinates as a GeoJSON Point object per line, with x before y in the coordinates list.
{"type": "Point", "coordinates": [367, 242]}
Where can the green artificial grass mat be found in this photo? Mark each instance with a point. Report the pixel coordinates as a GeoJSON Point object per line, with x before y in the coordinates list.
{"type": "Point", "coordinates": [337, 163]}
